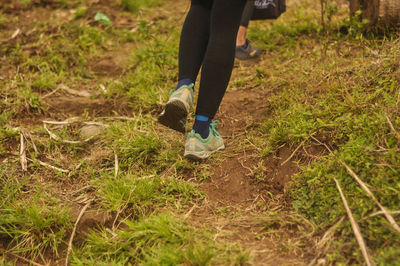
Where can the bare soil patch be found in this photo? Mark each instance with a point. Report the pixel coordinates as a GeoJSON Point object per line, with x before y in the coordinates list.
{"type": "Point", "coordinates": [66, 106]}
{"type": "Point", "coordinates": [235, 198]}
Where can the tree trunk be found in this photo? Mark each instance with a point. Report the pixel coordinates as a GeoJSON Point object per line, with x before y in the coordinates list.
{"type": "Point", "coordinates": [369, 8]}
{"type": "Point", "coordinates": [389, 11]}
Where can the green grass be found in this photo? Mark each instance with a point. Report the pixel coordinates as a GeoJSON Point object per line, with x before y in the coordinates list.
{"type": "Point", "coordinates": [335, 91]}
{"type": "Point", "coordinates": [136, 5]}
{"type": "Point", "coordinates": [143, 194]}
{"type": "Point", "coordinates": [34, 224]}
{"type": "Point", "coordinates": [3, 20]}
{"type": "Point", "coordinates": [156, 240]}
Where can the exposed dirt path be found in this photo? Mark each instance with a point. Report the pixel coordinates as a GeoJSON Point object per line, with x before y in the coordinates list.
{"type": "Point", "coordinates": [238, 205]}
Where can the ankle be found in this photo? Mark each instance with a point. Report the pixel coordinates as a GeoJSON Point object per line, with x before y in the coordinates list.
{"type": "Point", "coordinates": [240, 43]}
{"type": "Point", "coordinates": [201, 126]}
{"type": "Point", "coordinates": [184, 82]}
{"type": "Point", "coordinates": [241, 36]}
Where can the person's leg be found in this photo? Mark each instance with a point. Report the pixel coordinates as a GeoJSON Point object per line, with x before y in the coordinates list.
{"type": "Point", "coordinates": [220, 55]}
{"type": "Point", "coordinates": [244, 49]}
{"type": "Point", "coordinates": [244, 23]}
{"type": "Point", "coordinates": [241, 37]}
{"type": "Point", "coordinates": [193, 44]}
{"type": "Point", "coordinates": [194, 39]}
{"type": "Point", "coordinates": [218, 61]}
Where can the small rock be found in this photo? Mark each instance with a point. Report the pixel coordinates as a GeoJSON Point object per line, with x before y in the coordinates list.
{"type": "Point", "coordinates": [89, 131]}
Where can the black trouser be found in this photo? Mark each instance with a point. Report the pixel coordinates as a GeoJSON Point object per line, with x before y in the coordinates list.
{"type": "Point", "coordinates": [208, 41]}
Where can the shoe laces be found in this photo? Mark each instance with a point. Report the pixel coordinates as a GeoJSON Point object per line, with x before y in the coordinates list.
{"type": "Point", "coordinates": [183, 86]}
{"type": "Point", "coordinates": [212, 127]}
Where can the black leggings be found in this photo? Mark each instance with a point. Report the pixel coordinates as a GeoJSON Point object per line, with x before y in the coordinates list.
{"type": "Point", "coordinates": [208, 40]}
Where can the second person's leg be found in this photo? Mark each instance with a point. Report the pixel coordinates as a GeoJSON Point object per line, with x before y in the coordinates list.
{"type": "Point", "coordinates": [244, 49]}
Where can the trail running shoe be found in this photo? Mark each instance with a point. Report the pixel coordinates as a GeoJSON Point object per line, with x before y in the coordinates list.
{"type": "Point", "coordinates": [248, 52]}
{"type": "Point", "coordinates": [177, 108]}
{"type": "Point", "coordinates": [197, 148]}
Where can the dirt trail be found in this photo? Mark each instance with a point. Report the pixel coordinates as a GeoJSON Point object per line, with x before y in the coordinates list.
{"type": "Point", "coordinates": [237, 203]}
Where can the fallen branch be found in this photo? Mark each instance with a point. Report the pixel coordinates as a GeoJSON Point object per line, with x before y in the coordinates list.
{"type": "Point", "coordinates": [356, 228]}
{"type": "Point", "coordinates": [48, 165]}
{"type": "Point", "coordinates": [22, 153]}
{"type": "Point", "coordinates": [74, 230]}
{"type": "Point", "coordinates": [388, 216]}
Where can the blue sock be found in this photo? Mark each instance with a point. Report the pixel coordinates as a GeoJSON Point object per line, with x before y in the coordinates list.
{"type": "Point", "coordinates": [202, 126]}
{"type": "Point", "coordinates": [183, 82]}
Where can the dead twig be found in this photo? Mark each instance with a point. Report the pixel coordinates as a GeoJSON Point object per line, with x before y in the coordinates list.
{"type": "Point", "coordinates": [32, 142]}
{"type": "Point", "coordinates": [392, 127]}
{"type": "Point", "coordinates": [87, 187]}
{"type": "Point", "coordinates": [15, 34]}
{"type": "Point", "coordinates": [22, 153]}
{"type": "Point", "coordinates": [248, 168]}
{"type": "Point", "coordinates": [90, 123]}
{"type": "Point", "coordinates": [190, 211]}
{"type": "Point", "coordinates": [65, 122]}
{"type": "Point", "coordinates": [118, 118]}
{"type": "Point", "coordinates": [81, 93]}
{"type": "Point", "coordinates": [381, 212]}
{"type": "Point", "coordinates": [388, 216]}
{"type": "Point", "coordinates": [294, 152]}
{"type": "Point", "coordinates": [51, 93]}
{"type": "Point", "coordinates": [74, 230]}
{"type": "Point", "coordinates": [328, 234]}
{"type": "Point", "coordinates": [356, 228]}
{"type": "Point", "coordinates": [48, 165]}
{"type": "Point", "coordinates": [117, 216]}
{"type": "Point", "coordinates": [326, 146]}
{"type": "Point", "coordinates": [116, 164]}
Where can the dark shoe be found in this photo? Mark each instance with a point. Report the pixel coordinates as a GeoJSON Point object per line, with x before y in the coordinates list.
{"type": "Point", "coordinates": [177, 108]}
{"type": "Point", "coordinates": [247, 52]}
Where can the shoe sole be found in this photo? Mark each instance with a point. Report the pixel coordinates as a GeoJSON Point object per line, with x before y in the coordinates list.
{"type": "Point", "coordinates": [198, 156]}
{"type": "Point", "coordinates": [173, 116]}
{"type": "Point", "coordinates": [247, 58]}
